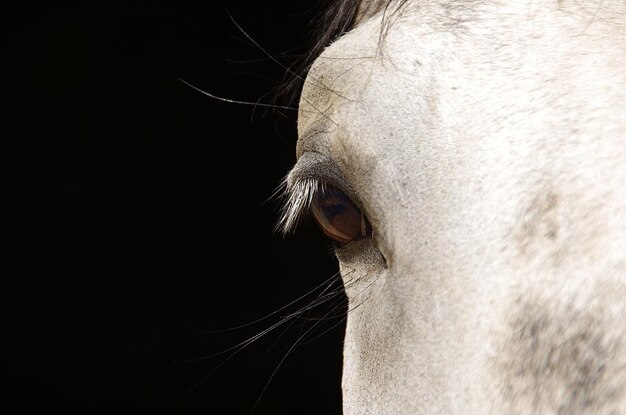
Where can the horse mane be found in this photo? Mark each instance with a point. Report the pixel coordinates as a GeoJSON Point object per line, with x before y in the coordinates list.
{"type": "Point", "coordinates": [333, 19]}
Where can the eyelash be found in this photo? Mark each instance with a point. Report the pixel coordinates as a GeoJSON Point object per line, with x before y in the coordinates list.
{"type": "Point", "coordinates": [298, 197]}
{"type": "Point", "coordinates": [337, 216]}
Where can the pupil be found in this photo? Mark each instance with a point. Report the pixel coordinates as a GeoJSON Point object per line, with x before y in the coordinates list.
{"type": "Point", "coordinates": [334, 210]}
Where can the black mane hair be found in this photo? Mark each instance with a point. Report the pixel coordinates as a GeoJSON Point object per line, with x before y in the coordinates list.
{"type": "Point", "coordinates": [334, 18]}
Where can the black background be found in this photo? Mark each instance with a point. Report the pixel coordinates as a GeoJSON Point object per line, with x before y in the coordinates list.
{"type": "Point", "coordinates": [139, 215]}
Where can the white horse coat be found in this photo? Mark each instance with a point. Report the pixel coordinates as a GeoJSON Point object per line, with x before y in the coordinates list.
{"type": "Point", "coordinates": [485, 143]}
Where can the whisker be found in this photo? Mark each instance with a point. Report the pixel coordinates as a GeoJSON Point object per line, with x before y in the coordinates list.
{"type": "Point", "coordinates": [360, 292]}
{"type": "Point", "coordinates": [348, 58]}
{"type": "Point", "coordinates": [285, 67]}
{"type": "Point", "coordinates": [295, 344]}
{"type": "Point", "coordinates": [343, 319]}
{"type": "Point", "coordinates": [331, 279]}
{"type": "Point", "coordinates": [332, 307]}
{"type": "Point", "coordinates": [242, 345]}
{"type": "Point", "coordinates": [251, 74]}
{"type": "Point", "coordinates": [314, 304]}
{"type": "Point", "coordinates": [257, 60]}
{"type": "Point", "coordinates": [288, 69]}
{"type": "Point", "coordinates": [238, 347]}
{"type": "Point", "coordinates": [335, 306]}
{"type": "Point", "coordinates": [343, 316]}
{"type": "Point", "coordinates": [257, 336]}
{"type": "Point", "coordinates": [234, 101]}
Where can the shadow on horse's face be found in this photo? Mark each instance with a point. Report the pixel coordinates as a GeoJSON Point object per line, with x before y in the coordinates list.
{"type": "Point", "coordinates": [485, 145]}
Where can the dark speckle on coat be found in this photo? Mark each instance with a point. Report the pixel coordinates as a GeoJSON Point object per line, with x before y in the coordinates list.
{"type": "Point", "coordinates": [562, 359]}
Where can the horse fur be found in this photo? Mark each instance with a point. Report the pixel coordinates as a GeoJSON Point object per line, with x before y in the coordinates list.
{"type": "Point", "coordinates": [485, 141]}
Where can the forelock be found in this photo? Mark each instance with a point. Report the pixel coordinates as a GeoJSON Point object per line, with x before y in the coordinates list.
{"type": "Point", "coordinates": [334, 18]}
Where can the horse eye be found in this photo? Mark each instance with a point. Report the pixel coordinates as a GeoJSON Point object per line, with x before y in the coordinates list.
{"type": "Point", "coordinates": [339, 219]}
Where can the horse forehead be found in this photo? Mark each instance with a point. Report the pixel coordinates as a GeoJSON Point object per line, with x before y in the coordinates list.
{"type": "Point", "coordinates": [389, 39]}
{"type": "Point", "coordinates": [343, 72]}
{"type": "Point", "coordinates": [411, 40]}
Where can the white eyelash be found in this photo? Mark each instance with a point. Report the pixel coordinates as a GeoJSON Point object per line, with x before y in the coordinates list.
{"type": "Point", "coordinates": [299, 195]}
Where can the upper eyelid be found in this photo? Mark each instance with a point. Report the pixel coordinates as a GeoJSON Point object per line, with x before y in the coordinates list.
{"type": "Point", "coordinates": [315, 165]}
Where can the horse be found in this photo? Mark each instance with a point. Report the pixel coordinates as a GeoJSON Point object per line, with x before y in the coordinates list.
{"type": "Point", "coordinates": [467, 159]}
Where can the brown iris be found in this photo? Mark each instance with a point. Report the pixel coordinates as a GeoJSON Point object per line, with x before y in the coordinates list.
{"type": "Point", "coordinates": [338, 217]}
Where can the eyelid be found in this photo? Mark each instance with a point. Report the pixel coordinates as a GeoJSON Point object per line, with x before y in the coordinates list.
{"type": "Point", "coordinates": [312, 171]}
{"type": "Point", "coordinates": [318, 166]}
